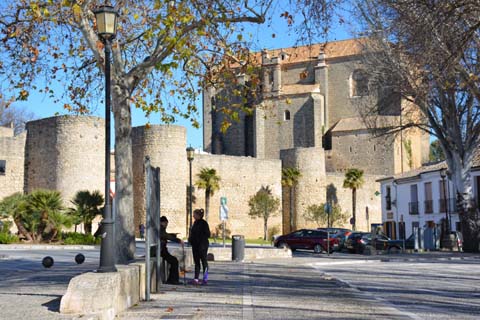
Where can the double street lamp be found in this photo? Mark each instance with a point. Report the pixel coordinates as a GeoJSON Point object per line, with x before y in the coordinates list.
{"type": "Point", "coordinates": [190, 156]}
{"type": "Point", "coordinates": [106, 18]}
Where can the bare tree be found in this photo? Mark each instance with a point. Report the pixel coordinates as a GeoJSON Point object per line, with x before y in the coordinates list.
{"type": "Point", "coordinates": [14, 116]}
{"type": "Point", "coordinates": [424, 54]}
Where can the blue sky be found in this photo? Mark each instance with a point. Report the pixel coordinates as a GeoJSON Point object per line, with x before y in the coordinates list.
{"type": "Point", "coordinates": [263, 37]}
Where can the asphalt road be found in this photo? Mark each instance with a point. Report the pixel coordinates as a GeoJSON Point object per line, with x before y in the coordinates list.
{"type": "Point", "coordinates": [424, 289]}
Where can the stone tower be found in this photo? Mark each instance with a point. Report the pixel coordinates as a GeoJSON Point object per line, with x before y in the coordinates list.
{"type": "Point", "coordinates": [65, 153]}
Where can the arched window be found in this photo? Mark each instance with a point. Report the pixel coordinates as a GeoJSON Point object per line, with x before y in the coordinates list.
{"type": "Point", "coordinates": [359, 83]}
{"type": "Point", "coordinates": [286, 115]}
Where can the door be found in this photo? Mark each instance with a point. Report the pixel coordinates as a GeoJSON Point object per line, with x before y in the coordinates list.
{"type": "Point", "coordinates": [295, 239]}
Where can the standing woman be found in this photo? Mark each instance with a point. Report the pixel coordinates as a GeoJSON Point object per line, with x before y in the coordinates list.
{"type": "Point", "coordinates": [198, 239]}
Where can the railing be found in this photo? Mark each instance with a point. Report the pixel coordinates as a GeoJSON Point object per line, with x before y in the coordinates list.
{"type": "Point", "coordinates": [428, 206]}
{"type": "Point", "coordinates": [413, 207]}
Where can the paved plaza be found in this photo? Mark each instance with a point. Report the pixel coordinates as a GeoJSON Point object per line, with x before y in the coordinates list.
{"type": "Point", "coordinates": [307, 286]}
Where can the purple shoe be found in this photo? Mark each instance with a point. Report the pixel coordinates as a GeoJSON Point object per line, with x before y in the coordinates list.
{"type": "Point", "coordinates": [205, 277]}
{"type": "Point", "coordinates": [194, 282]}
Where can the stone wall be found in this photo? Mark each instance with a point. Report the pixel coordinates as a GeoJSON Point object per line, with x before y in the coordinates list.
{"type": "Point", "coordinates": [65, 153]}
{"type": "Point", "coordinates": [359, 149]}
{"type": "Point", "coordinates": [241, 178]}
{"type": "Point", "coordinates": [12, 151]}
{"type": "Point", "coordinates": [165, 145]}
{"type": "Point", "coordinates": [366, 196]}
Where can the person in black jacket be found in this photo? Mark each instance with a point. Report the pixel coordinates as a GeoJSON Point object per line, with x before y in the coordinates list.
{"type": "Point", "coordinates": [172, 261]}
{"type": "Point", "coordinates": [198, 239]}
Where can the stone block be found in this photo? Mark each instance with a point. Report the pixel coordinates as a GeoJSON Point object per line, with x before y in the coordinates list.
{"type": "Point", "coordinates": [102, 295]}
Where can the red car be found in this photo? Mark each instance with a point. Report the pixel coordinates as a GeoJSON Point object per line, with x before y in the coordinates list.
{"type": "Point", "coordinates": [307, 239]}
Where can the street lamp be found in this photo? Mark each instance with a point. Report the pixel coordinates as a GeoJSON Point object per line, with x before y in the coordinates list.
{"type": "Point", "coordinates": [106, 18]}
{"type": "Point", "coordinates": [443, 175]}
{"type": "Point", "coordinates": [190, 156]}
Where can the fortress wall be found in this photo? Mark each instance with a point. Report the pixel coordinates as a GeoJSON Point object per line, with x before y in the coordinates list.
{"type": "Point", "coordinates": [298, 73]}
{"type": "Point", "coordinates": [165, 145]}
{"type": "Point", "coordinates": [298, 132]}
{"type": "Point", "coordinates": [340, 104]}
{"type": "Point", "coordinates": [365, 197]}
{"type": "Point", "coordinates": [359, 149]}
{"type": "Point", "coordinates": [12, 151]}
{"type": "Point", "coordinates": [241, 178]}
{"type": "Point", "coordinates": [65, 153]}
{"type": "Point", "coordinates": [311, 185]}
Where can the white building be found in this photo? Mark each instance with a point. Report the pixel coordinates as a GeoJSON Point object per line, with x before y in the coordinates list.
{"type": "Point", "coordinates": [423, 198]}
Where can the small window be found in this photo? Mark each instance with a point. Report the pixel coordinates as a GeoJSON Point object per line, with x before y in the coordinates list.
{"type": "Point", "coordinates": [374, 148]}
{"type": "Point", "coordinates": [212, 101]}
{"type": "Point", "coordinates": [286, 115]}
{"type": "Point", "coordinates": [3, 167]}
{"type": "Point", "coordinates": [282, 57]}
{"type": "Point", "coordinates": [351, 149]}
{"type": "Point", "coordinates": [359, 83]}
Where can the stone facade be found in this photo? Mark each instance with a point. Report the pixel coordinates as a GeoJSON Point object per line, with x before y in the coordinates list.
{"type": "Point", "coordinates": [306, 113]}
{"type": "Point", "coordinates": [65, 153]}
{"type": "Point", "coordinates": [12, 155]}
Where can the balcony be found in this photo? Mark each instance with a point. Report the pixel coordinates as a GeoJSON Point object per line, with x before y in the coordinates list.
{"type": "Point", "coordinates": [428, 206]}
{"type": "Point", "coordinates": [413, 207]}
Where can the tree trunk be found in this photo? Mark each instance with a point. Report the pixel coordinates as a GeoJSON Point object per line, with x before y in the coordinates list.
{"type": "Point", "coordinates": [22, 230]}
{"type": "Point", "coordinates": [265, 221]}
{"type": "Point", "coordinates": [123, 217]}
{"type": "Point", "coordinates": [88, 227]}
{"type": "Point", "coordinates": [292, 209]}
{"type": "Point", "coordinates": [207, 204]}
{"type": "Point", "coordinates": [354, 208]}
{"type": "Point", "coordinates": [468, 215]}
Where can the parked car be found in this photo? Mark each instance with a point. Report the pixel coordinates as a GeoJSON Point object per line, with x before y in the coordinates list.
{"type": "Point", "coordinates": [307, 239]}
{"type": "Point", "coordinates": [339, 233]}
{"type": "Point", "coordinates": [358, 241]}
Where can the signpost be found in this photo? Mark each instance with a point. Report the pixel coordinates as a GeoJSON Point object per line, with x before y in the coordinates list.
{"type": "Point", "coordinates": [223, 215]}
{"type": "Point", "coordinates": [328, 209]}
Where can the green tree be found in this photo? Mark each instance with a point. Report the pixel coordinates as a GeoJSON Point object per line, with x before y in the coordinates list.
{"type": "Point", "coordinates": [290, 178]}
{"type": "Point", "coordinates": [436, 152]}
{"type": "Point", "coordinates": [210, 182]}
{"type": "Point", "coordinates": [353, 180]}
{"type": "Point", "coordinates": [164, 53]}
{"type": "Point", "coordinates": [263, 205]}
{"type": "Point", "coordinates": [87, 207]}
{"type": "Point", "coordinates": [316, 213]}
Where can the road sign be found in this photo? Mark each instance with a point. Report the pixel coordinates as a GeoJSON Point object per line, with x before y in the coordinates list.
{"type": "Point", "coordinates": [223, 209]}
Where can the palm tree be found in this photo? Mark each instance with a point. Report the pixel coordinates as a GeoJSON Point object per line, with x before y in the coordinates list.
{"type": "Point", "coordinates": [15, 206]}
{"type": "Point", "coordinates": [290, 177]}
{"type": "Point", "coordinates": [43, 206]}
{"type": "Point", "coordinates": [87, 207]}
{"type": "Point", "coordinates": [210, 181]}
{"type": "Point", "coordinates": [353, 180]}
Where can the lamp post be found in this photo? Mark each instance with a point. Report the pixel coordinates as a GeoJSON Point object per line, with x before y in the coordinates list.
{"type": "Point", "coordinates": [190, 156]}
{"type": "Point", "coordinates": [106, 18]}
{"type": "Point", "coordinates": [443, 175]}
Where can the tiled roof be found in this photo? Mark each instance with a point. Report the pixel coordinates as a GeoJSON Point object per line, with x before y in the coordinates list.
{"type": "Point", "coordinates": [430, 167]}
{"type": "Point", "coordinates": [334, 49]}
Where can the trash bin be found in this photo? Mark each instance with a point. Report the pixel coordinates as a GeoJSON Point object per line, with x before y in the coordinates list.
{"type": "Point", "coordinates": [238, 248]}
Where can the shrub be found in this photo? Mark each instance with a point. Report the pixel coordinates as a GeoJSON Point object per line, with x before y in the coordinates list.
{"type": "Point", "coordinates": [79, 238]}
{"type": "Point", "coordinates": [273, 231]}
{"type": "Point", "coordinates": [7, 238]}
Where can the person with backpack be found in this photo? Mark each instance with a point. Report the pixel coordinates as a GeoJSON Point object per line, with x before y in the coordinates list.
{"type": "Point", "coordinates": [198, 239]}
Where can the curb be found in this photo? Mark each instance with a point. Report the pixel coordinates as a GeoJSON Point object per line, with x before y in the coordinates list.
{"type": "Point", "coordinates": [46, 247]}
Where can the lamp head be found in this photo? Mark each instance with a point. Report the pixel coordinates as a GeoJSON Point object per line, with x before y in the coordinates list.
{"type": "Point", "coordinates": [106, 17]}
{"type": "Point", "coordinates": [190, 153]}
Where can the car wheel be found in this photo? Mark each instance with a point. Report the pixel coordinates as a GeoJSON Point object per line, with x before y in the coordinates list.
{"type": "Point", "coordinates": [394, 250]}
{"type": "Point", "coordinates": [359, 250]}
{"type": "Point", "coordinates": [282, 245]}
{"type": "Point", "coordinates": [317, 248]}
{"type": "Point", "coordinates": [351, 251]}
